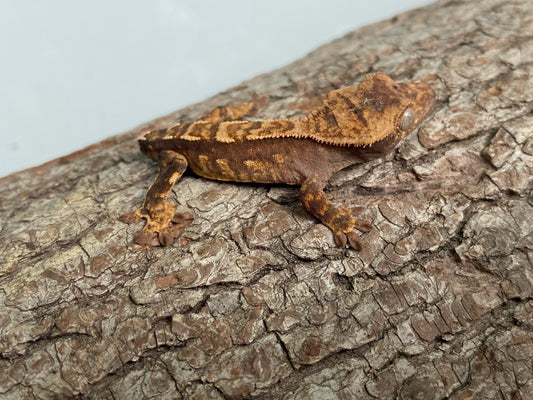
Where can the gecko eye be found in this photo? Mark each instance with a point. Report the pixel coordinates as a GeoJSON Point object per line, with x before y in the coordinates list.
{"type": "Point", "coordinates": [407, 120]}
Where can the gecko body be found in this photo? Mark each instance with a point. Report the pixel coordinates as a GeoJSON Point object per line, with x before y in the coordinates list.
{"type": "Point", "coordinates": [353, 125]}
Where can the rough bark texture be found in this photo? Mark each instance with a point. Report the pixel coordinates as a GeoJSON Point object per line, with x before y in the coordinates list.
{"type": "Point", "coordinates": [256, 301]}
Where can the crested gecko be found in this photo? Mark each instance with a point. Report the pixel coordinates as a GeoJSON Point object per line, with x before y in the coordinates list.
{"type": "Point", "coordinates": [354, 124]}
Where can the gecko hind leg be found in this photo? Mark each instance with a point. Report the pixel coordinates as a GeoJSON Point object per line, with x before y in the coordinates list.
{"type": "Point", "coordinates": [162, 224]}
{"type": "Point", "coordinates": [339, 219]}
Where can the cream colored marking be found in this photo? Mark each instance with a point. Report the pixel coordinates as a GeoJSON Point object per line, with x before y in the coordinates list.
{"type": "Point", "coordinates": [197, 131]}
{"type": "Point", "coordinates": [171, 134]}
{"type": "Point", "coordinates": [203, 160]}
{"type": "Point", "coordinates": [175, 176]}
{"type": "Point", "coordinates": [280, 158]}
{"type": "Point", "coordinates": [222, 135]}
{"type": "Point", "coordinates": [254, 165]}
{"type": "Point", "coordinates": [228, 133]}
{"type": "Point", "coordinates": [236, 131]}
{"type": "Point", "coordinates": [224, 166]}
{"type": "Point", "coordinates": [271, 128]}
{"type": "Point", "coordinates": [188, 137]}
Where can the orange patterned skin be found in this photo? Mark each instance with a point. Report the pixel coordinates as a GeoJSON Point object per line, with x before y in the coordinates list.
{"type": "Point", "coordinates": [353, 125]}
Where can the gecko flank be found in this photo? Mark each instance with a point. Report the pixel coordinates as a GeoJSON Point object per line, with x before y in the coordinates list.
{"type": "Point", "coordinates": [353, 125]}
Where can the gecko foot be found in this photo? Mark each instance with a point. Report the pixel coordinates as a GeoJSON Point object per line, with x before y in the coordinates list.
{"type": "Point", "coordinates": [343, 226]}
{"type": "Point", "coordinates": [157, 231]}
{"type": "Point", "coordinates": [351, 238]}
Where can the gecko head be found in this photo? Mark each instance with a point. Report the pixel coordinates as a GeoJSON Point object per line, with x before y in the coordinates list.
{"type": "Point", "coordinates": [378, 109]}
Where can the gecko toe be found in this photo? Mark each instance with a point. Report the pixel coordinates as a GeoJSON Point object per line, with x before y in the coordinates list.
{"type": "Point", "coordinates": [351, 239]}
{"type": "Point", "coordinates": [340, 239]}
{"type": "Point", "coordinates": [363, 226]}
{"type": "Point", "coordinates": [166, 238]}
{"type": "Point", "coordinates": [354, 241]}
{"type": "Point", "coordinates": [182, 219]}
{"type": "Point", "coordinates": [130, 218]}
{"type": "Point", "coordinates": [147, 239]}
{"type": "Point", "coordinates": [158, 234]}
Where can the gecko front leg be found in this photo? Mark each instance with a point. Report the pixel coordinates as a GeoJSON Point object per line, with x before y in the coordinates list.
{"type": "Point", "coordinates": [339, 219]}
{"type": "Point", "coordinates": [162, 225]}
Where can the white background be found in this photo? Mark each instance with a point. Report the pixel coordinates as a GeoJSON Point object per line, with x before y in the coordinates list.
{"type": "Point", "coordinates": [73, 73]}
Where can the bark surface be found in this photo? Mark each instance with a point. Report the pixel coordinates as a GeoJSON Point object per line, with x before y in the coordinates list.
{"type": "Point", "coordinates": [255, 300]}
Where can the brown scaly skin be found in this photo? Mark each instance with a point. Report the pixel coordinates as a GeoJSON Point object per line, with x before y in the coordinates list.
{"type": "Point", "coordinates": [354, 124]}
